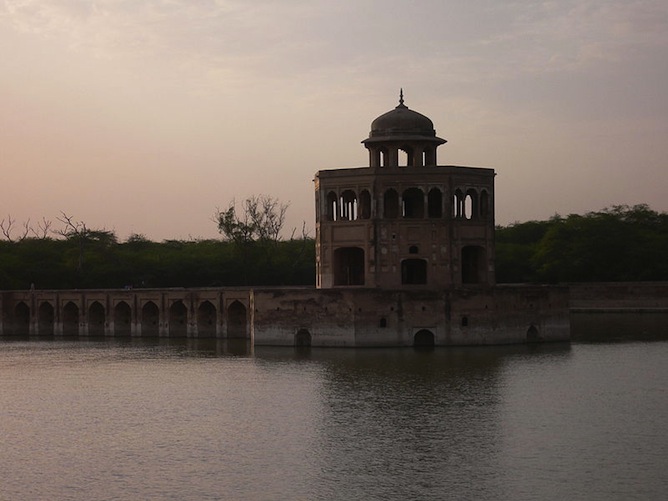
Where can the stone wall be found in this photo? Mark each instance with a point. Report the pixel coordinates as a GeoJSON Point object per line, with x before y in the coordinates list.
{"type": "Point", "coordinates": [619, 296]}
{"type": "Point", "coordinates": [350, 317]}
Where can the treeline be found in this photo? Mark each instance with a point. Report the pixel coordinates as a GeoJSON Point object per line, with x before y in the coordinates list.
{"type": "Point", "coordinates": [98, 260]}
{"type": "Point", "coordinates": [621, 243]}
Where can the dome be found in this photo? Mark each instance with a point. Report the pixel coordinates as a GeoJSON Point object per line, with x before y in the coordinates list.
{"type": "Point", "coordinates": [403, 124]}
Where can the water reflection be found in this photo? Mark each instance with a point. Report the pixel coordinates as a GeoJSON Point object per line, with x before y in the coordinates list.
{"type": "Point", "coordinates": [404, 424]}
{"type": "Point", "coordinates": [205, 419]}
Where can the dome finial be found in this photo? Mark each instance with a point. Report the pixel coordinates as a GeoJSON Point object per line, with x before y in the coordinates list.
{"type": "Point", "coordinates": [401, 96]}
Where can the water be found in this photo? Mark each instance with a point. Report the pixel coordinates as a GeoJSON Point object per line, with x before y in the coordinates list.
{"type": "Point", "coordinates": [129, 420]}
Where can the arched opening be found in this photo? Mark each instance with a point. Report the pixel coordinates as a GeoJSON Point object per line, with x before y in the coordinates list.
{"type": "Point", "coordinates": [473, 264]}
{"type": "Point", "coordinates": [533, 336]}
{"type": "Point", "coordinates": [413, 271]}
{"type": "Point", "coordinates": [349, 266]}
{"type": "Point", "coordinates": [71, 319]}
{"type": "Point", "coordinates": [429, 156]}
{"type": "Point", "coordinates": [423, 339]}
{"type": "Point", "coordinates": [206, 320]}
{"type": "Point", "coordinates": [96, 319]}
{"type": "Point", "coordinates": [413, 249]}
{"type": "Point", "coordinates": [384, 159]}
{"type": "Point", "coordinates": [303, 338]}
{"type": "Point", "coordinates": [365, 205]}
{"type": "Point", "coordinates": [236, 320]}
{"type": "Point", "coordinates": [471, 204]}
{"type": "Point", "coordinates": [435, 203]}
{"type": "Point", "coordinates": [150, 320]}
{"type": "Point", "coordinates": [122, 319]}
{"type": "Point", "coordinates": [178, 319]}
{"type": "Point", "coordinates": [412, 203]}
{"type": "Point", "coordinates": [484, 204]}
{"type": "Point", "coordinates": [348, 209]}
{"type": "Point", "coordinates": [382, 323]}
{"type": "Point", "coordinates": [22, 319]}
{"type": "Point", "coordinates": [458, 204]}
{"type": "Point", "coordinates": [332, 206]}
{"type": "Point", "coordinates": [391, 204]}
{"type": "Point", "coordinates": [404, 157]}
{"type": "Point", "coordinates": [45, 316]}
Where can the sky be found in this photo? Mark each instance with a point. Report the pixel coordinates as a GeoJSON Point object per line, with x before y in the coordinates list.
{"type": "Point", "coordinates": [145, 116]}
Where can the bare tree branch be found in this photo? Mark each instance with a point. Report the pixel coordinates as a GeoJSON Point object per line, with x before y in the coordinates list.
{"type": "Point", "coordinates": [6, 227]}
{"type": "Point", "coordinates": [43, 227]}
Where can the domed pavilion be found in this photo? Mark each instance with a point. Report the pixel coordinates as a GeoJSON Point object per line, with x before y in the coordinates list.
{"type": "Point", "coordinates": [404, 222]}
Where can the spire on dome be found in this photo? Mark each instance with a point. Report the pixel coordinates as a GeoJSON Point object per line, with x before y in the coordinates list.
{"type": "Point", "coordinates": [401, 98]}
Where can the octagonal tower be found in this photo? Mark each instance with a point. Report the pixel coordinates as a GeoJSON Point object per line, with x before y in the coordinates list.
{"type": "Point", "coordinates": [404, 222]}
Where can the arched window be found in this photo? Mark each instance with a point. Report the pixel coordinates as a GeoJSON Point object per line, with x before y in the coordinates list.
{"type": "Point", "coordinates": [391, 204]}
{"type": "Point", "coordinates": [365, 204]}
{"type": "Point", "coordinates": [332, 206]}
{"type": "Point", "coordinates": [384, 158]}
{"type": "Point", "coordinates": [458, 204]}
{"type": "Point", "coordinates": [435, 203]}
{"type": "Point", "coordinates": [484, 204]}
{"type": "Point", "coordinates": [429, 156]}
{"type": "Point", "coordinates": [405, 157]}
{"type": "Point", "coordinates": [471, 204]}
{"type": "Point", "coordinates": [348, 206]}
{"type": "Point", "coordinates": [413, 203]}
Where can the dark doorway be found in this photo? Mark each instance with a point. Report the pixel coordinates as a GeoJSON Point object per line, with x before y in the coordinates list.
{"type": "Point", "coordinates": [349, 266]}
{"type": "Point", "coordinates": [413, 271]}
{"type": "Point", "coordinates": [423, 339]}
{"type": "Point", "coordinates": [22, 319]}
{"type": "Point", "coordinates": [236, 320]}
{"type": "Point", "coordinates": [122, 319]}
{"type": "Point", "coordinates": [150, 320]}
{"type": "Point", "coordinates": [178, 319]}
{"type": "Point", "coordinates": [96, 319]}
{"type": "Point", "coordinates": [473, 265]}
{"type": "Point", "coordinates": [71, 319]}
{"type": "Point", "coordinates": [532, 335]}
{"type": "Point", "coordinates": [206, 320]}
{"type": "Point", "coordinates": [303, 338]}
{"type": "Point", "coordinates": [45, 319]}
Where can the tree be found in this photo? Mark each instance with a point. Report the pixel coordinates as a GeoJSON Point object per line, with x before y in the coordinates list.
{"type": "Point", "coordinates": [255, 233]}
{"type": "Point", "coordinates": [262, 218]}
{"type": "Point", "coordinates": [78, 232]}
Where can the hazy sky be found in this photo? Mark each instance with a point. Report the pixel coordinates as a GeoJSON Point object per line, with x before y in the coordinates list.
{"type": "Point", "coordinates": [143, 116]}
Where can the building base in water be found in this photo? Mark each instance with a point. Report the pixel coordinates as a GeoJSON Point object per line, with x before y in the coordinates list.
{"type": "Point", "coordinates": [341, 317]}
